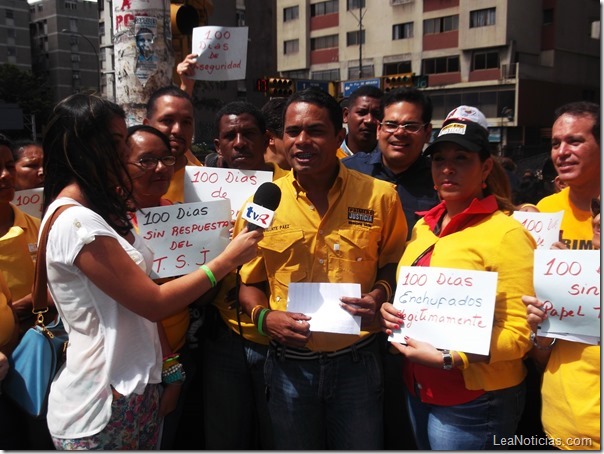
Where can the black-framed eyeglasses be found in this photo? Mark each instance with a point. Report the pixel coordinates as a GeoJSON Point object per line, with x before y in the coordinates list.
{"type": "Point", "coordinates": [392, 126]}
{"type": "Point", "coordinates": [150, 162]}
{"type": "Point", "coordinates": [595, 206]}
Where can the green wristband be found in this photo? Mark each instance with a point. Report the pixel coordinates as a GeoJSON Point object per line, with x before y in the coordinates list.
{"type": "Point", "coordinates": [261, 317]}
{"type": "Point", "coordinates": [210, 275]}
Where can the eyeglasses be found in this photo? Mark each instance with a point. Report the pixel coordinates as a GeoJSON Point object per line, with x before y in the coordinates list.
{"type": "Point", "coordinates": [595, 206]}
{"type": "Point", "coordinates": [391, 127]}
{"type": "Point", "coordinates": [150, 162]}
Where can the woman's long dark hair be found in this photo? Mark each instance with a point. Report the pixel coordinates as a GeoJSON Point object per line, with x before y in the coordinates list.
{"type": "Point", "coordinates": [79, 147]}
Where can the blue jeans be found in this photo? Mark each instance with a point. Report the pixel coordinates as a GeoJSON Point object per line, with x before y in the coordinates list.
{"type": "Point", "coordinates": [470, 426]}
{"type": "Point", "coordinates": [327, 403]}
{"type": "Point", "coordinates": [234, 394]}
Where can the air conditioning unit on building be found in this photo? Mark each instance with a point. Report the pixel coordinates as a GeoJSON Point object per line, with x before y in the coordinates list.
{"type": "Point", "coordinates": [400, 2]}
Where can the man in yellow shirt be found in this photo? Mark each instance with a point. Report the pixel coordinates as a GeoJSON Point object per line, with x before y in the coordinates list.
{"type": "Point", "coordinates": [333, 225]}
{"type": "Point", "coordinates": [571, 380]}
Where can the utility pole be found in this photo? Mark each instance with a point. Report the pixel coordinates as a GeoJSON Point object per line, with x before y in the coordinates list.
{"type": "Point", "coordinates": [360, 21]}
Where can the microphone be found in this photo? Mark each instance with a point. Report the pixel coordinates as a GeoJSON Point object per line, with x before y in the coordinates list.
{"type": "Point", "coordinates": [259, 213]}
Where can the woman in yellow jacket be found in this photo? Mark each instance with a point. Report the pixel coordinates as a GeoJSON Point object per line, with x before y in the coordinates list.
{"type": "Point", "coordinates": [457, 400]}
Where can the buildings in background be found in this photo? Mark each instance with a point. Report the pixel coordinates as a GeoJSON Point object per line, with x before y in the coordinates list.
{"type": "Point", "coordinates": [516, 60]}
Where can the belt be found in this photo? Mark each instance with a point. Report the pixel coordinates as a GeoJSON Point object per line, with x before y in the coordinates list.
{"type": "Point", "coordinates": [307, 355]}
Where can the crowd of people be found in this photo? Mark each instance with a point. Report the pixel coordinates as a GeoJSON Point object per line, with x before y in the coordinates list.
{"type": "Point", "coordinates": [213, 359]}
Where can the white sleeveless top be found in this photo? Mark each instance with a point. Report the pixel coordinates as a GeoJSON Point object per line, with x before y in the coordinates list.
{"type": "Point", "coordinates": [108, 344]}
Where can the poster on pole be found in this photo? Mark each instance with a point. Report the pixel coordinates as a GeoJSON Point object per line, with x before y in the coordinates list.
{"type": "Point", "coordinates": [545, 227]}
{"type": "Point", "coordinates": [185, 236]}
{"type": "Point", "coordinates": [449, 308]}
{"type": "Point", "coordinates": [568, 282]}
{"type": "Point", "coordinates": [29, 201]}
{"type": "Point", "coordinates": [222, 52]}
{"type": "Point", "coordinates": [216, 183]}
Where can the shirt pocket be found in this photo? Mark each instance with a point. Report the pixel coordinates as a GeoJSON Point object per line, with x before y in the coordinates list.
{"type": "Point", "coordinates": [281, 283]}
{"type": "Point", "coordinates": [356, 259]}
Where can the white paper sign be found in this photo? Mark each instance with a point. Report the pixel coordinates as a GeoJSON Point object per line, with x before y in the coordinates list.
{"type": "Point", "coordinates": [545, 227]}
{"type": "Point", "coordinates": [568, 282]}
{"type": "Point", "coordinates": [321, 301]}
{"type": "Point", "coordinates": [222, 52]}
{"type": "Point", "coordinates": [215, 183]}
{"type": "Point", "coordinates": [184, 236]}
{"type": "Point", "coordinates": [29, 201]}
{"type": "Point", "coordinates": [449, 308]}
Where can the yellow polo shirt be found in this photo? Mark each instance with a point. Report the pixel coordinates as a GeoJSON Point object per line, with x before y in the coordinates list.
{"type": "Point", "coordinates": [176, 190]}
{"type": "Point", "coordinates": [363, 230]}
{"type": "Point", "coordinates": [570, 388]}
{"type": "Point", "coordinates": [7, 319]}
{"type": "Point", "coordinates": [18, 248]}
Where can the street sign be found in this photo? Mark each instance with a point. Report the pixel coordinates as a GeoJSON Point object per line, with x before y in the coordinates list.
{"type": "Point", "coordinates": [321, 85]}
{"type": "Point", "coordinates": [352, 85]}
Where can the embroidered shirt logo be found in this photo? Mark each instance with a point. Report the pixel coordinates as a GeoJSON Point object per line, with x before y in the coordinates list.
{"type": "Point", "coordinates": [360, 215]}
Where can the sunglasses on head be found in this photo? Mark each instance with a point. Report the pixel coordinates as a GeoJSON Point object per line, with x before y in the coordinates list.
{"type": "Point", "coordinates": [595, 206]}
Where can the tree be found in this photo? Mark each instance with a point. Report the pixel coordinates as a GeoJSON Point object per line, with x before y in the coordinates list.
{"type": "Point", "coordinates": [30, 92]}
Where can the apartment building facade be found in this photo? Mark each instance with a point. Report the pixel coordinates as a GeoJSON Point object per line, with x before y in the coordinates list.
{"type": "Point", "coordinates": [516, 60]}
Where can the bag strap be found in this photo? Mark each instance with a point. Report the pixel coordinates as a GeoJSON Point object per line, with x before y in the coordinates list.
{"type": "Point", "coordinates": [39, 291]}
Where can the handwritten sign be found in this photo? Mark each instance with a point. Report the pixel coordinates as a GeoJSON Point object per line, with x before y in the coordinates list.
{"type": "Point", "coordinates": [185, 236]}
{"type": "Point", "coordinates": [29, 201]}
{"type": "Point", "coordinates": [545, 227]}
{"type": "Point", "coordinates": [449, 308]}
{"type": "Point", "coordinates": [568, 282]}
{"type": "Point", "coordinates": [321, 301]}
{"type": "Point", "coordinates": [214, 183]}
{"type": "Point", "coordinates": [222, 52]}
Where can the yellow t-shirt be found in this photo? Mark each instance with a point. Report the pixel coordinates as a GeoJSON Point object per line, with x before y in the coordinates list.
{"type": "Point", "coordinates": [363, 230]}
{"type": "Point", "coordinates": [571, 382]}
{"type": "Point", "coordinates": [176, 191]}
{"type": "Point", "coordinates": [18, 248]}
{"type": "Point", "coordinates": [7, 319]}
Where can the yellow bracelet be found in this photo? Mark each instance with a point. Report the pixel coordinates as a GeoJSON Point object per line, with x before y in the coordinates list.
{"type": "Point", "coordinates": [464, 360]}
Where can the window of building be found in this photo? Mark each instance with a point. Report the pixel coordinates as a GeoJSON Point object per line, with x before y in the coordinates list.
{"type": "Point", "coordinates": [402, 31]}
{"type": "Point", "coordinates": [73, 24]}
{"type": "Point", "coordinates": [101, 28]}
{"type": "Point", "coordinates": [296, 74]}
{"type": "Point", "coordinates": [71, 5]}
{"type": "Point", "coordinates": [355, 38]}
{"type": "Point", "coordinates": [324, 42]}
{"type": "Point", "coordinates": [441, 65]}
{"type": "Point", "coordinates": [485, 60]}
{"type": "Point", "coordinates": [12, 54]}
{"type": "Point", "coordinates": [441, 24]}
{"type": "Point", "coordinates": [548, 16]}
{"type": "Point", "coordinates": [482, 17]}
{"type": "Point", "coordinates": [353, 72]}
{"type": "Point", "coordinates": [328, 74]}
{"type": "Point", "coordinates": [291, 46]}
{"type": "Point", "coordinates": [9, 14]}
{"type": "Point", "coordinates": [323, 8]}
{"type": "Point", "coordinates": [291, 13]}
{"type": "Point", "coordinates": [400, 67]}
{"type": "Point", "coordinates": [355, 4]}
{"type": "Point", "coordinates": [240, 18]}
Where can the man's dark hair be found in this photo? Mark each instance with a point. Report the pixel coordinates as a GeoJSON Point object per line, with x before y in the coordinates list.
{"type": "Point", "coordinates": [321, 99]}
{"type": "Point", "coordinates": [369, 91]}
{"type": "Point", "coordinates": [273, 114]}
{"type": "Point", "coordinates": [409, 94]}
{"type": "Point", "coordinates": [580, 109]}
{"type": "Point", "coordinates": [239, 108]}
{"type": "Point", "coordinates": [169, 90]}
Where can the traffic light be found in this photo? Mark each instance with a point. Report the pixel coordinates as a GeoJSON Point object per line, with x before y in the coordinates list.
{"type": "Point", "coordinates": [262, 85]}
{"type": "Point", "coordinates": [183, 18]}
{"type": "Point", "coordinates": [280, 88]}
{"type": "Point", "coordinates": [397, 80]}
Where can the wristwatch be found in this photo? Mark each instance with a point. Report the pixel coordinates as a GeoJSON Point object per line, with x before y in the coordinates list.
{"type": "Point", "coordinates": [447, 360]}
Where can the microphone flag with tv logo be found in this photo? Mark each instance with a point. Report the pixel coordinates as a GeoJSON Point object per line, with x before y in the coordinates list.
{"type": "Point", "coordinates": [259, 214]}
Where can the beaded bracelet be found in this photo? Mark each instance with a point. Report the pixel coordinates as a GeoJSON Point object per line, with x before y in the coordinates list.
{"type": "Point", "coordinates": [387, 288]}
{"type": "Point", "coordinates": [210, 275]}
{"type": "Point", "coordinates": [173, 374]}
